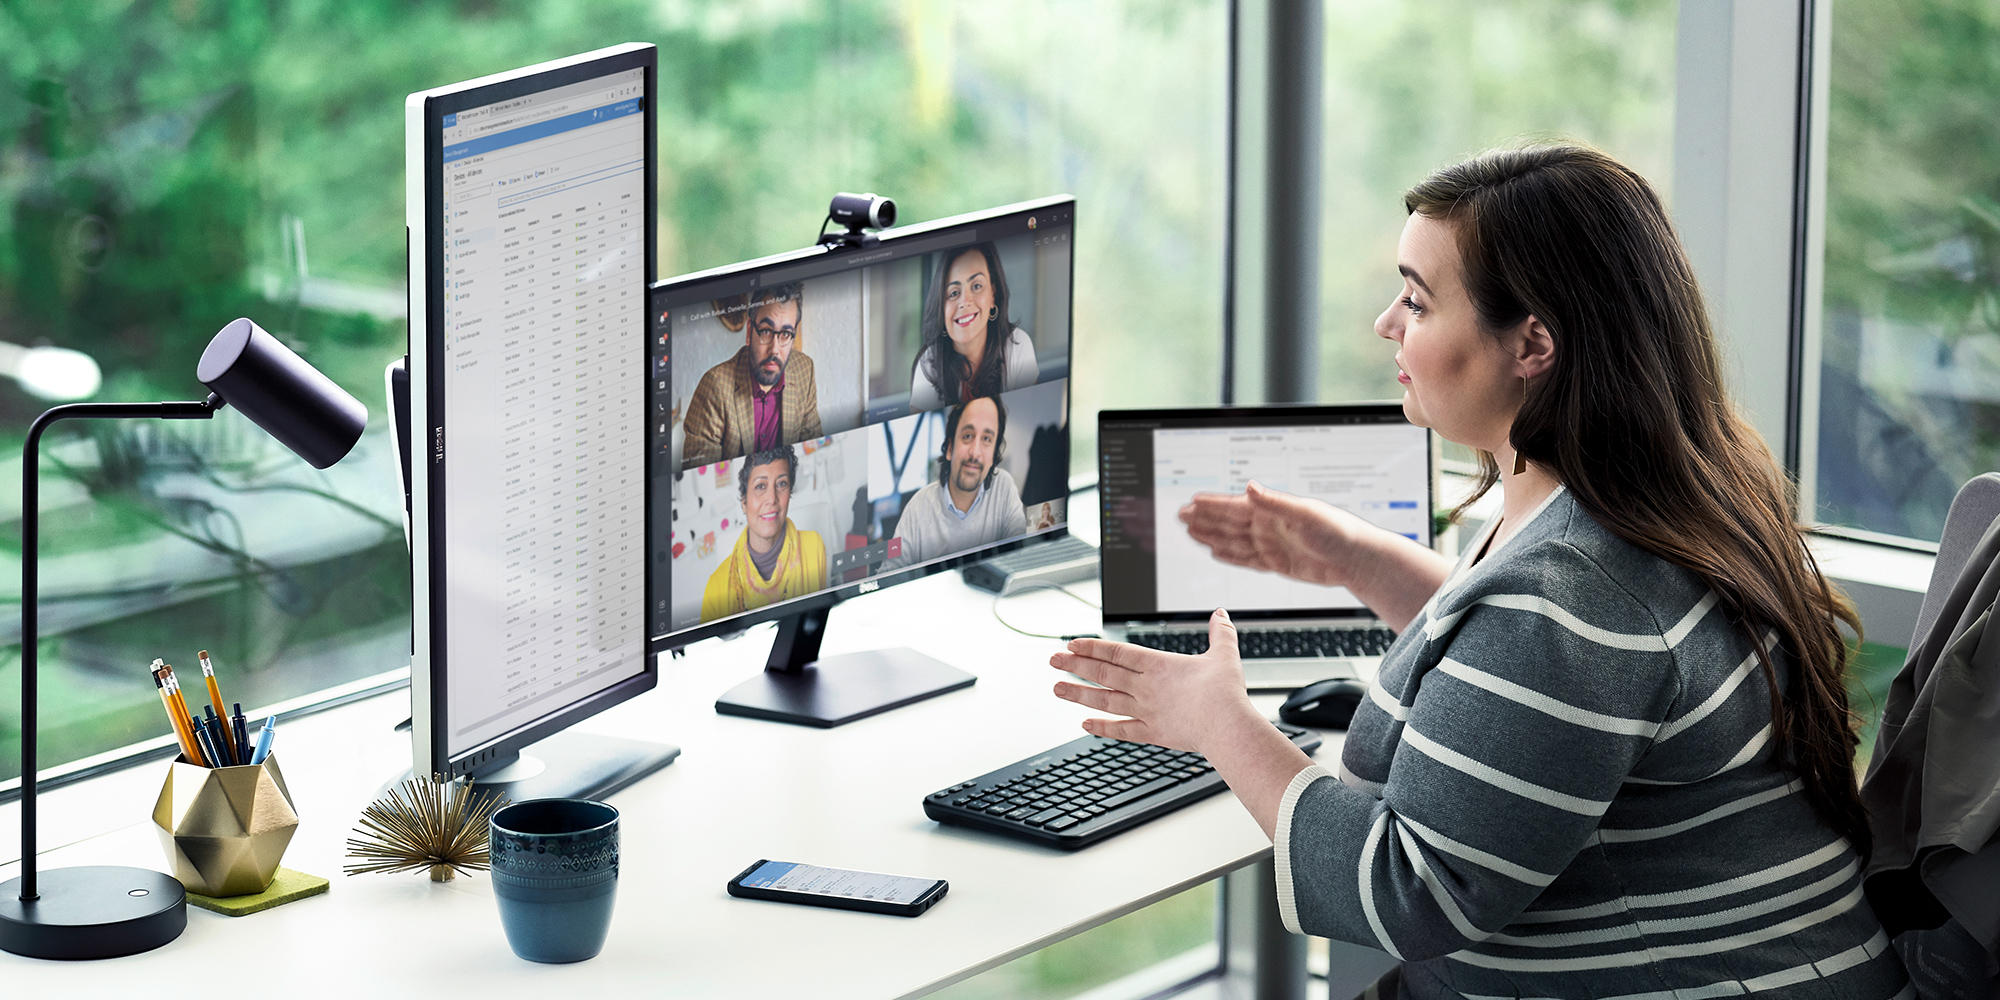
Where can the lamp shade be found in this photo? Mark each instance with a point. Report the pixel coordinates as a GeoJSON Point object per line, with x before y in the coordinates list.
{"type": "Point", "coordinates": [253, 372]}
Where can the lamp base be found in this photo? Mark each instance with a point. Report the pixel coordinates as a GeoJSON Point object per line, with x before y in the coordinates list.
{"type": "Point", "coordinates": [92, 912]}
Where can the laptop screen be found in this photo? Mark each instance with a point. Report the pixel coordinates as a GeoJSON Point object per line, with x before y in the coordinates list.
{"type": "Point", "coordinates": [1362, 457]}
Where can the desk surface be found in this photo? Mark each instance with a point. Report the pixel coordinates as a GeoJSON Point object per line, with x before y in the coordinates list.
{"type": "Point", "coordinates": [742, 790]}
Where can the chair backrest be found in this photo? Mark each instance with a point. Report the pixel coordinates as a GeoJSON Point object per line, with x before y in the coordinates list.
{"type": "Point", "coordinates": [1973, 511]}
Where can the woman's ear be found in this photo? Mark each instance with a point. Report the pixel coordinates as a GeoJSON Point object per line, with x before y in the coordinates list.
{"type": "Point", "coordinates": [1535, 351]}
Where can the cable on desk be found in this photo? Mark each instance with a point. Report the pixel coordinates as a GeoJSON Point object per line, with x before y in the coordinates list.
{"type": "Point", "coordinates": [1029, 589]}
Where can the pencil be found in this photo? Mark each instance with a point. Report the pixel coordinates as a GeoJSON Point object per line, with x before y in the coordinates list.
{"type": "Point", "coordinates": [181, 709]}
{"type": "Point", "coordinates": [215, 698]}
{"type": "Point", "coordinates": [181, 734]}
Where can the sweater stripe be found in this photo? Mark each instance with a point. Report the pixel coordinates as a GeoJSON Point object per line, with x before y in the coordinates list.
{"type": "Point", "coordinates": [1745, 755]}
{"type": "Point", "coordinates": [1366, 877]}
{"type": "Point", "coordinates": [1613, 835]}
{"type": "Point", "coordinates": [1502, 780]}
{"type": "Point", "coordinates": [1552, 707]}
{"type": "Point", "coordinates": [1637, 642]}
{"type": "Point", "coordinates": [1716, 700]}
{"type": "Point", "coordinates": [1388, 703]}
{"type": "Point", "coordinates": [1682, 925]}
{"type": "Point", "coordinates": [1829, 966]}
{"type": "Point", "coordinates": [1655, 953]}
{"type": "Point", "coordinates": [1682, 897]}
{"type": "Point", "coordinates": [1491, 862]}
{"type": "Point", "coordinates": [1452, 911]}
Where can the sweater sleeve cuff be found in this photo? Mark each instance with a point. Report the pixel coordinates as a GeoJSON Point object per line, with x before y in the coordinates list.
{"type": "Point", "coordinates": [1281, 846]}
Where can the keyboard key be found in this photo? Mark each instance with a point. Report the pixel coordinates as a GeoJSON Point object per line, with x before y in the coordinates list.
{"type": "Point", "coordinates": [1063, 823]}
{"type": "Point", "coordinates": [1140, 792]}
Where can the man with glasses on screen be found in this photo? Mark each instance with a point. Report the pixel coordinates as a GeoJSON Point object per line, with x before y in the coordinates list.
{"type": "Point", "coordinates": [764, 395]}
{"type": "Point", "coordinates": [974, 501]}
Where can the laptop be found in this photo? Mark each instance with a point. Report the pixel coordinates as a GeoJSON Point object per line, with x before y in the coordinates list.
{"type": "Point", "coordinates": [1160, 585]}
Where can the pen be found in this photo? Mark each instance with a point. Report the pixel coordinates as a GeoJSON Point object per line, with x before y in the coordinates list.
{"type": "Point", "coordinates": [207, 746]}
{"type": "Point", "coordinates": [264, 740]}
{"type": "Point", "coordinates": [214, 727]}
{"type": "Point", "coordinates": [174, 721]}
{"type": "Point", "coordinates": [215, 699]}
{"type": "Point", "coordinates": [242, 732]}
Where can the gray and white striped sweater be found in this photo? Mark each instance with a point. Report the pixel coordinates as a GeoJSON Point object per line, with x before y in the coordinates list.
{"type": "Point", "coordinates": [1563, 785]}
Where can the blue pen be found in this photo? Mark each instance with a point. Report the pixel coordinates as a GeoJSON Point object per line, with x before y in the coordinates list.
{"type": "Point", "coordinates": [207, 745]}
{"type": "Point", "coordinates": [264, 740]}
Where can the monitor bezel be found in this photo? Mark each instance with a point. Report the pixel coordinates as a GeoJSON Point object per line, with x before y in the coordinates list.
{"type": "Point", "coordinates": [1379, 412]}
{"type": "Point", "coordinates": [429, 681]}
{"type": "Point", "coordinates": [1066, 204]}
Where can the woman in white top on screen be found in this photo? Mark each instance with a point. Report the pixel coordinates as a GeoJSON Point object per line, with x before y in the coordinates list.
{"type": "Point", "coordinates": [972, 347]}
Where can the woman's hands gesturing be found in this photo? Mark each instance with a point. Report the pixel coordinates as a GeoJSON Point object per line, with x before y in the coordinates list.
{"type": "Point", "coordinates": [1168, 699]}
{"type": "Point", "coordinates": [1276, 532]}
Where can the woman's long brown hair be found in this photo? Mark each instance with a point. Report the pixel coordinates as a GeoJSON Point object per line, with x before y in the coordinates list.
{"type": "Point", "coordinates": [1633, 419]}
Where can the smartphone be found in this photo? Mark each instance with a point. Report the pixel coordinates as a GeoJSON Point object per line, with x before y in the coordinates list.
{"type": "Point", "coordinates": [790, 882]}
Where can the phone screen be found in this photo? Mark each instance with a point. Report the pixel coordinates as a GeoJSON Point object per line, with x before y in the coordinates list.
{"type": "Point", "coordinates": [790, 877]}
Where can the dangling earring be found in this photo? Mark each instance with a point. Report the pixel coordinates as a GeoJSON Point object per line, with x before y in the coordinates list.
{"type": "Point", "coordinates": [1521, 461]}
{"type": "Point", "coordinates": [992, 313]}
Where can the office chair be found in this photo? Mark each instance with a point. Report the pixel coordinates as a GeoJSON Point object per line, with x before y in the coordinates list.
{"type": "Point", "coordinates": [1973, 510]}
{"type": "Point", "coordinates": [1923, 879]}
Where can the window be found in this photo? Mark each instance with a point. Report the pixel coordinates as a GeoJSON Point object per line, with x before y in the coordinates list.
{"type": "Point", "coordinates": [175, 167]}
{"type": "Point", "coordinates": [1411, 87]}
{"type": "Point", "coordinates": [1909, 339]}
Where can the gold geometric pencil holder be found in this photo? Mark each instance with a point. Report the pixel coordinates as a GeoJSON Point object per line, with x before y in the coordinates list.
{"type": "Point", "coordinates": [225, 828]}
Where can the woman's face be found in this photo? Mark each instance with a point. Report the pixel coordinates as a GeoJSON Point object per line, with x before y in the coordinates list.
{"type": "Point", "coordinates": [767, 498]}
{"type": "Point", "coordinates": [1457, 380]}
{"type": "Point", "coordinates": [968, 299]}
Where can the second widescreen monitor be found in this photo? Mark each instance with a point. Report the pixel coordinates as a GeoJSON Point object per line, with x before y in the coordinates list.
{"type": "Point", "coordinates": [819, 419]}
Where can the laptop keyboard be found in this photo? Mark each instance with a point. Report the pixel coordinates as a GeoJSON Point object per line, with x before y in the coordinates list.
{"type": "Point", "coordinates": [1277, 643]}
{"type": "Point", "coordinates": [1085, 790]}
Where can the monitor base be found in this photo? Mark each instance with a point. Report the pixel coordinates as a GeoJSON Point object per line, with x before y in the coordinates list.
{"type": "Point", "coordinates": [569, 765]}
{"type": "Point", "coordinates": [837, 690]}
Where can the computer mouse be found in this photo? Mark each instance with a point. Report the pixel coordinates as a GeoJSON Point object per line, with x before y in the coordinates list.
{"type": "Point", "coordinates": [1327, 704]}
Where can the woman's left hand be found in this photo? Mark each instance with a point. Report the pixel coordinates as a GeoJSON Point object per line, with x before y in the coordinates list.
{"type": "Point", "coordinates": [1168, 699]}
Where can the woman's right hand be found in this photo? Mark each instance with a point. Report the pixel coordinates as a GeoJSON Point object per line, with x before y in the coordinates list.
{"type": "Point", "coordinates": [1264, 529]}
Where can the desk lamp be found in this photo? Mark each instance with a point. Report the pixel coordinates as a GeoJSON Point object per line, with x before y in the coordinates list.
{"type": "Point", "coordinates": [104, 911]}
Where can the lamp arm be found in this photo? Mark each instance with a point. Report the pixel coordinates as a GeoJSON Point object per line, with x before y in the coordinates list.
{"type": "Point", "coordinates": [30, 517]}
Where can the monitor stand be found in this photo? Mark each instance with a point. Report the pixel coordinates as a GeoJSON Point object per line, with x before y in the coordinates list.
{"type": "Point", "coordinates": [801, 687]}
{"type": "Point", "coordinates": [569, 765]}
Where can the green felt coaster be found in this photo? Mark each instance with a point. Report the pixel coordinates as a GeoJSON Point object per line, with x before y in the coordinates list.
{"type": "Point", "coordinates": [289, 885]}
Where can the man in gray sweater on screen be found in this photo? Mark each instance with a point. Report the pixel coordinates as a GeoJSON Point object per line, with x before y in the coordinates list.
{"type": "Point", "coordinates": [973, 502]}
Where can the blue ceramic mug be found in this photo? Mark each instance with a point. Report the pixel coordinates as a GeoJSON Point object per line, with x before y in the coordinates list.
{"type": "Point", "coordinates": [555, 874]}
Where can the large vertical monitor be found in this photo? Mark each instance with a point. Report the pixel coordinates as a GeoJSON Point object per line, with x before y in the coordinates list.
{"type": "Point", "coordinates": [531, 208]}
{"type": "Point", "coordinates": [828, 422]}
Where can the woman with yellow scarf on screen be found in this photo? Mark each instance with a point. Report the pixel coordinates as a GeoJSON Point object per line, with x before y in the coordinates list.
{"type": "Point", "coordinates": [772, 559]}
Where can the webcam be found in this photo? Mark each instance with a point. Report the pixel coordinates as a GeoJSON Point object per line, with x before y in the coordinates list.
{"type": "Point", "coordinates": [862, 211]}
{"type": "Point", "coordinates": [857, 212]}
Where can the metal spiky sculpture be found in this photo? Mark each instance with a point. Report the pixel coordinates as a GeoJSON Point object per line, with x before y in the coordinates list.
{"type": "Point", "coordinates": [414, 826]}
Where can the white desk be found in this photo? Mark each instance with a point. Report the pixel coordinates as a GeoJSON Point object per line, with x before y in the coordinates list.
{"type": "Point", "coordinates": [742, 790]}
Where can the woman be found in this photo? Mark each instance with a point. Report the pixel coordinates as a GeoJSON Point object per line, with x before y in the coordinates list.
{"type": "Point", "coordinates": [773, 559]}
{"type": "Point", "coordinates": [1610, 752]}
{"type": "Point", "coordinates": [972, 346]}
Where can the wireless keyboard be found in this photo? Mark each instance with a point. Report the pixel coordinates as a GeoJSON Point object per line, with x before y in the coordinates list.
{"type": "Point", "coordinates": [1085, 790]}
{"type": "Point", "coordinates": [1276, 643]}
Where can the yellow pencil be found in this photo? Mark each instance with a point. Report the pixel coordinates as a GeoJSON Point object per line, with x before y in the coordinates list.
{"type": "Point", "coordinates": [215, 698]}
{"type": "Point", "coordinates": [174, 718]}
{"type": "Point", "coordinates": [181, 708]}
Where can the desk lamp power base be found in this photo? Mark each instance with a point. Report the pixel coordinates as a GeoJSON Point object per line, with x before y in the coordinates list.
{"type": "Point", "coordinates": [92, 912]}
